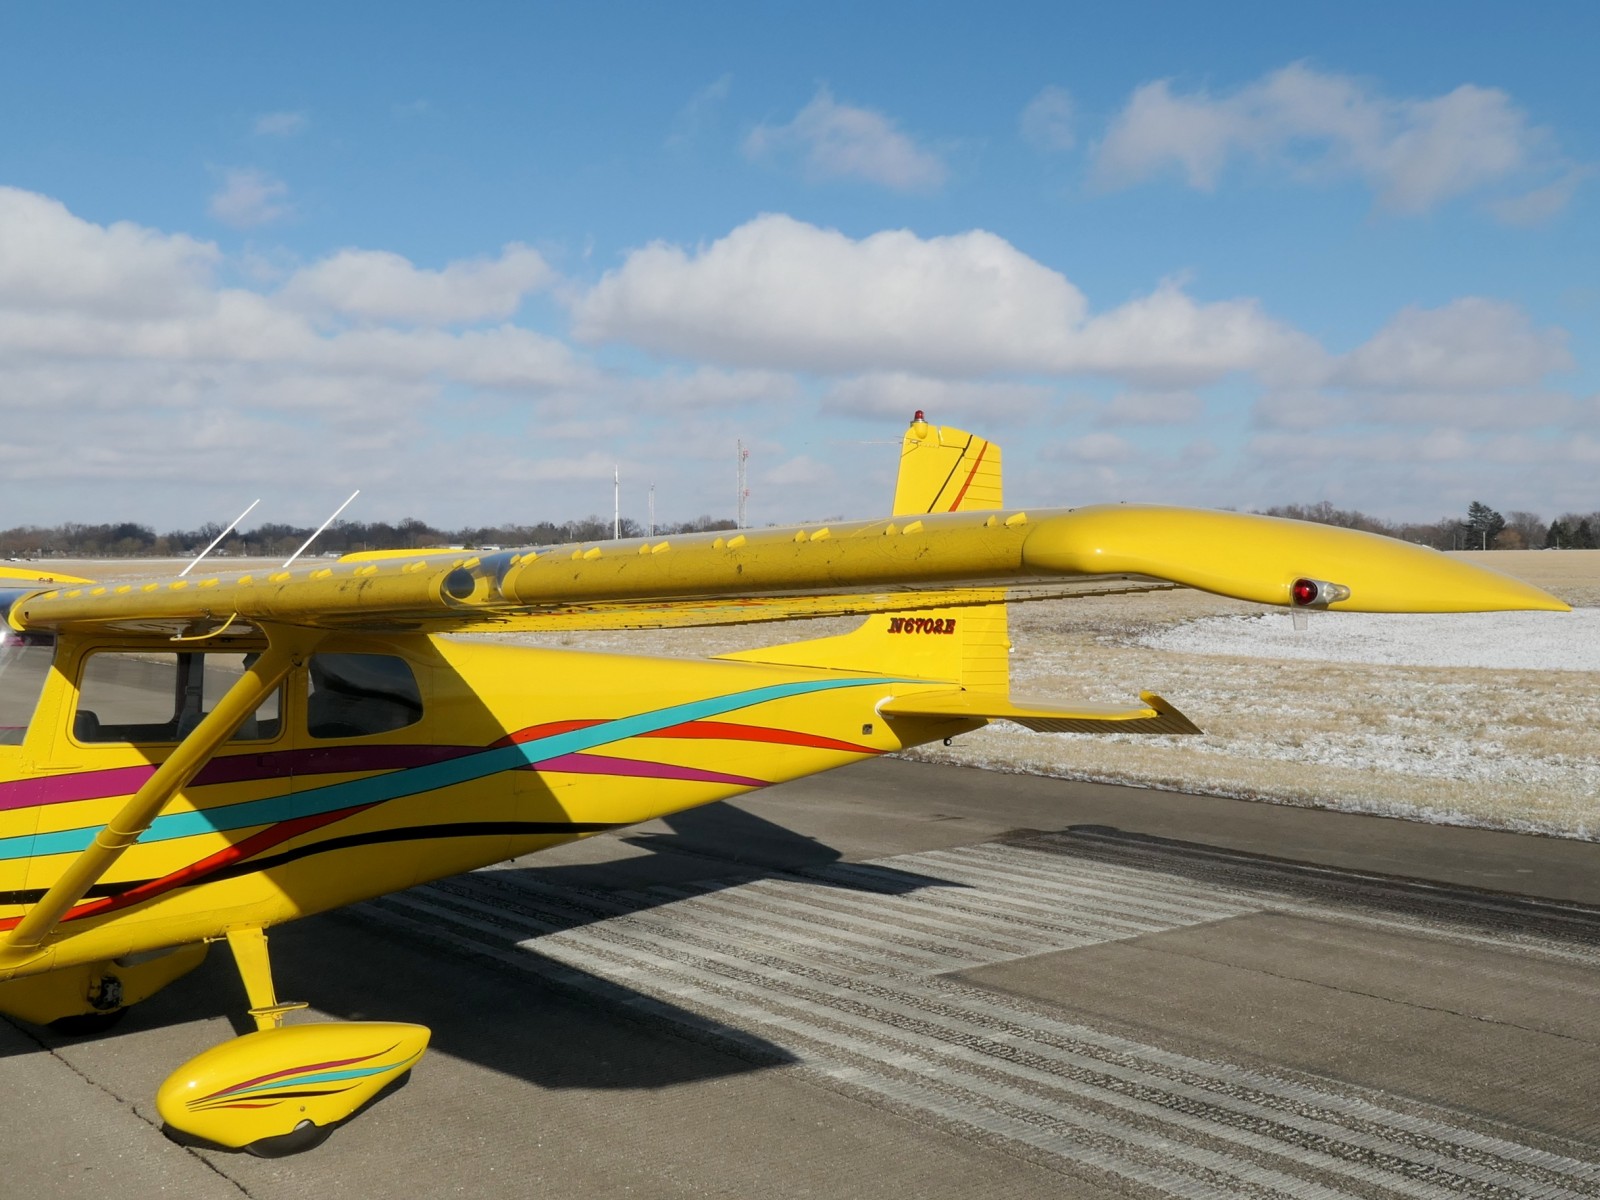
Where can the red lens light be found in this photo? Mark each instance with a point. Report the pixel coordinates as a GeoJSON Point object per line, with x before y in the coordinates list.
{"type": "Point", "coordinates": [1304, 591]}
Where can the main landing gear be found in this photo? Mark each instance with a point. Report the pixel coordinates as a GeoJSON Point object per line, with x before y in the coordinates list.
{"type": "Point", "coordinates": [284, 1088]}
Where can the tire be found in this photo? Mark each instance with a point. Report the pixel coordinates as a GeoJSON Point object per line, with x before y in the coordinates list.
{"type": "Point", "coordinates": [304, 1136]}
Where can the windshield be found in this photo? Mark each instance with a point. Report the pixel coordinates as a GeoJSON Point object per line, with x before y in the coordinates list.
{"type": "Point", "coordinates": [24, 663]}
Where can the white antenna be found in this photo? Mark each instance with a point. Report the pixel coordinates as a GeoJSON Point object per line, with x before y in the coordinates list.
{"type": "Point", "coordinates": [652, 508]}
{"type": "Point", "coordinates": [218, 538]}
{"type": "Point", "coordinates": [616, 503]}
{"type": "Point", "coordinates": [743, 491]}
{"type": "Point", "coordinates": [323, 526]}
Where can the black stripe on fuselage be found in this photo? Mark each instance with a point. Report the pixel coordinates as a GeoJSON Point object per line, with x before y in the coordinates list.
{"type": "Point", "coordinates": [377, 837]}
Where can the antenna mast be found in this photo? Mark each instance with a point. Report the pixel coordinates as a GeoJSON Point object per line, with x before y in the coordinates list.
{"type": "Point", "coordinates": [652, 508]}
{"type": "Point", "coordinates": [743, 490]}
{"type": "Point", "coordinates": [616, 502]}
{"type": "Point", "coordinates": [217, 539]}
{"type": "Point", "coordinates": [321, 527]}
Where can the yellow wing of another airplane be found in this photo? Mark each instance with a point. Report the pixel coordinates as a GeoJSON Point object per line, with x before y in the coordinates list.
{"type": "Point", "coordinates": [777, 573]}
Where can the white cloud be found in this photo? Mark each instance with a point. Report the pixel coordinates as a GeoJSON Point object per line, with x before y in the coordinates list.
{"type": "Point", "coordinates": [800, 471]}
{"type": "Point", "coordinates": [1152, 408]}
{"type": "Point", "coordinates": [138, 376]}
{"type": "Point", "coordinates": [127, 330]}
{"type": "Point", "coordinates": [580, 430]}
{"type": "Point", "coordinates": [1097, 448]}
{"type": "Point", "coordinates": [51, 260]}
{"type": "Point", "coordinates": [1474, 364]}
{"type": "Point", "coordinates": [1168, 340]}
{"type": "Point", "coordinates": [1469, 410]}
{"type": "Point", "coordinates": [250, 198]}
{"type": "Point", "coordinates": [842, 141]}
{"type": "Point", "coordinates": [1541, 204]}
{"type": "Point", "coordinates": [693, 117]}
{"type": "Point", "coordinates": [1415, 153]}
{"type": "Point", "coordinates": [780, 293]}
{"type": "Point", "coordinates": [1469, 345]}
{"type": "Point", "coordinates": [1047, 122]}
{"type": "Point", "coordinates": [897, 394]}
{"type": "Point", "coordinates": [1369, 447]}
{"type": "Point", "coordinates": [591, 466]}
{"type": "Point", "coordinates": [281, 124]}
{"type": "Point", "coordinates": [377, 285]}
{"type": "Point", "coordinates": [709, 387]}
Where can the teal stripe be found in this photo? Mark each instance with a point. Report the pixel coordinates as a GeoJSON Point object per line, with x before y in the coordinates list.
{"type": "Point", "coordinates": [320, 1077]}
{"type": "Point", "coordinates": [375, 789]}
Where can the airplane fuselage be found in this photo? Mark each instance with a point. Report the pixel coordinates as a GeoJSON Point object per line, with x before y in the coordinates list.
{"type": "Point", "coordinates": [423, 757]}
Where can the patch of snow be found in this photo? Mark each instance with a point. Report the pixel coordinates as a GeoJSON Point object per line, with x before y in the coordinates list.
{"type": "Point", "coordinates": [1538, 641]}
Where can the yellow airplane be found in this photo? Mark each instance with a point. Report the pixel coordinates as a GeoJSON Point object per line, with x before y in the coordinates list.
{"type": "Point", "coordinates": [196, 760]}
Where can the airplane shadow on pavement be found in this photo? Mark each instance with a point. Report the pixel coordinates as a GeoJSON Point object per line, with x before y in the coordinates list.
{"type": "Point", "coordinates": [515, 1021]}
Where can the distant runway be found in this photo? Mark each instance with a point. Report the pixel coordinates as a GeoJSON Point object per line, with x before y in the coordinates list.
{"type": "Point", "coordinates": [921, 981]}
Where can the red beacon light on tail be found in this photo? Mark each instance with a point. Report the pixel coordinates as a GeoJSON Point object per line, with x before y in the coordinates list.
{"type": "Point", "coordinates": [1317, 593]}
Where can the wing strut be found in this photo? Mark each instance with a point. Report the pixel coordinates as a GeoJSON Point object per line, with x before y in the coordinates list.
{"type": "Point", "coordinates": [287, 646]}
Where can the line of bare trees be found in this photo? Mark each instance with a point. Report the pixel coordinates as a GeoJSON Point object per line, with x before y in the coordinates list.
{"type": "Point", "coordinates": [129, 540]}
{"type": "Point", "coordinates": [1481, 529]}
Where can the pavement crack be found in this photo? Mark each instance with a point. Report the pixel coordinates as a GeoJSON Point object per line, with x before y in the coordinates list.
{"type": "Point", "coordinates": [54, 1052]}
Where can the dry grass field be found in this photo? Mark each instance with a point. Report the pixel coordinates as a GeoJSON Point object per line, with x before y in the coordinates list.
{"type": "Point", "coordinates": [1508, 749]}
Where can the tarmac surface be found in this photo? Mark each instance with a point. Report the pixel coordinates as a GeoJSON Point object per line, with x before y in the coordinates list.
{"type": "Point", "coordinates": [919, 981]}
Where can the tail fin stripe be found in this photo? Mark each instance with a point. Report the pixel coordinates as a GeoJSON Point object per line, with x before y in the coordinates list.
{"type": "Point", "coordinates": [954, 467]}
{"type": "Point", "coordinates": [971, 475]}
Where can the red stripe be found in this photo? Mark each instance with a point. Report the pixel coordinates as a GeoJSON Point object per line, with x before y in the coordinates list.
{"type": "Point", "coordinates": [970, 476]}
{"type": "Point", "coordinates": [191, 874]}
{"type": "Point", "coordinates": [321, 1066]}
{"type": "Point", "coordinates": [728, 731]}
{"type": "Point", "coordinates": [533, 732]}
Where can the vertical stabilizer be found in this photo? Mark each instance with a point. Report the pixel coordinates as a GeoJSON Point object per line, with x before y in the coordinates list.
{"type": "Point", "coordinates": [942, 469]}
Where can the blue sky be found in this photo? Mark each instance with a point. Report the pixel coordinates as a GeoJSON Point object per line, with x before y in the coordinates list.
{"type": "Point", "coordinates": [468, 257]}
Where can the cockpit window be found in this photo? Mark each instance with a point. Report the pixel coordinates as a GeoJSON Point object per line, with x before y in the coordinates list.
{"type": "Point", "coordinates": [354, 695]}
{"type": "Point", "coordinates": [24, 662]}
{"type": "Point", "coordinates": [159, 696]}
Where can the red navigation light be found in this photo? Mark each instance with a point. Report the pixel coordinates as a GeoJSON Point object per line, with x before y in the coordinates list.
{"type": "Point", "coordinates": [918, 417]}
{"type": "Point", "coordinates": [1304, 591]}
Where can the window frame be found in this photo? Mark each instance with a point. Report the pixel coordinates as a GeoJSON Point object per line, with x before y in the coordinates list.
{"type": "Point", "coordinates": [182, 670]}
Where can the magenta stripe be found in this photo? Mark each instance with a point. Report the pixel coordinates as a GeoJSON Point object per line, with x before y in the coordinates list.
{"type": "Point", "coordinates": [601, 764]}
{"type": "Point", "coordinates": [279, 764]}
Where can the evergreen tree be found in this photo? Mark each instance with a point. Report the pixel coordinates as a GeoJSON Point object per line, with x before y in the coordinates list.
{"type": "Point", "coordinates": [1483, 526]}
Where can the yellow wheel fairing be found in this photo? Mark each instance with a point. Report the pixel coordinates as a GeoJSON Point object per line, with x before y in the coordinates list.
{"type": "Point", "coordinates": [265, 1084]}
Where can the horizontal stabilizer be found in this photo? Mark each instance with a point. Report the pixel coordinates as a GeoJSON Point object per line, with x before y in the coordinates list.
{"type": "Point", "coordinates": [1156, 717]}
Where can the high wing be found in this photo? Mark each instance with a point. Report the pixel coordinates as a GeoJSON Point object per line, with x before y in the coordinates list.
{"type": "Point", "coordinates": [930, 561]}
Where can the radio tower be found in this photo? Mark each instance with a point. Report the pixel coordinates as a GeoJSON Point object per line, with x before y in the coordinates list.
{"type": "Point", "coordinates": [743, 490]}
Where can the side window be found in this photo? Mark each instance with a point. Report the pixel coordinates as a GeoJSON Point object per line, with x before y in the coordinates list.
{"type": "Point", "coordinates": [354, 695]}
{"type": "Point", "coordinates": [24, 663]}
{"type": "Point", "coordinates": [156, 696]}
